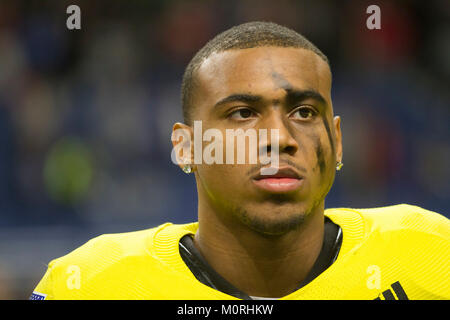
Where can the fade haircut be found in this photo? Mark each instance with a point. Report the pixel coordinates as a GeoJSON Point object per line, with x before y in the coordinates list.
{"type": "Point", "coordinates": [244, 36]}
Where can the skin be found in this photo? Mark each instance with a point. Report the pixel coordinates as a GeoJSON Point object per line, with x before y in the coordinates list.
{"type": "Point", "coordinates": [265, 243]}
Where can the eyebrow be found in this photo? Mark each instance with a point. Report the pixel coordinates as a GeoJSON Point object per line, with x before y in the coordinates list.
{"type": "Point", "coordinates": [292, 96]}
{"type": "Point", "coordinates": [239, 97]}
{"type": "Point", "coordinates": [296, 95]}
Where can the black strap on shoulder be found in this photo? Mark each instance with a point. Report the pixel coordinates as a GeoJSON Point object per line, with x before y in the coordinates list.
{"type": "Point", "coordinates": [332, 241]}
{"type": "Point", "coordinates": [204, 273]}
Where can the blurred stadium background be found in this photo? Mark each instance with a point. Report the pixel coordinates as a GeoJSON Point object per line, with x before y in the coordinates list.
{"type": "Point", "coordinates": [86, 115]}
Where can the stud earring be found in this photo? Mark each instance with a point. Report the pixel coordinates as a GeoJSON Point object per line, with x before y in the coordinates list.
{"type": "Point", "coordinates": [187, 169]}
{"type": "Point", "coordinates": [339, 165]}
{"type": "Point", "coordinates": [187, 166]}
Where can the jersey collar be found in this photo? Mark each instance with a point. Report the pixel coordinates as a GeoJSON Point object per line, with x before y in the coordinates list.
{"type": "Point", "coordinates": [164, 246]}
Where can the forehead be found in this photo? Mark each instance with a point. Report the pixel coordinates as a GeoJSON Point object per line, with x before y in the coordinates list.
{"type": "Point", "coordinates": [264, 71]}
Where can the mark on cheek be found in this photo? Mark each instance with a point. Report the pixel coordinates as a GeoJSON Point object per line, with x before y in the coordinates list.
{"type": "Point", "coordinates": [330, 138]}
{"type": "Point", "coordinates": [313, 136]}
{"type": "Point", "coordinates": [319, 154]}
{"type": "Point", "coordinates": [320, 158]}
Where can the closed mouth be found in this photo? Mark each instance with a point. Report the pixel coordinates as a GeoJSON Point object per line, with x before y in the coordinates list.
{"type": "Point", "coordinates": [284, 181]}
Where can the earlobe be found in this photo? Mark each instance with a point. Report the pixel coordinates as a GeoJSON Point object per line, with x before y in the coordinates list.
{"type": "Point", "coordinates": [182, 151]}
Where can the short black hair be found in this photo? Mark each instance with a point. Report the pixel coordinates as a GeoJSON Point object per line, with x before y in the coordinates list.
{"type": "Point", "coordinates": [244, 36]}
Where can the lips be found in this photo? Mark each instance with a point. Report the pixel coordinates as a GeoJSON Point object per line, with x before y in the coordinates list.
{"type": "Point", "coordinates": [285, 180]}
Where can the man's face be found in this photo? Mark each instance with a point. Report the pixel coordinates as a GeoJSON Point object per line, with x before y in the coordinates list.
{"type": "Point", "coordinates": [288, 89]}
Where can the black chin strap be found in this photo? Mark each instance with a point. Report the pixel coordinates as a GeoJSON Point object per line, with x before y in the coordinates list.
{"type": "Point", "coordinates": [204, 272]}
{"type": "Point", "coordinates": [332, 241]}
{"type": "Point", "coordinates": [208, 276]}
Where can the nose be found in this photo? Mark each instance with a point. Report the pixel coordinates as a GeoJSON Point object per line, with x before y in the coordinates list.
{"type": "Point", "coordinates": [286, 141]}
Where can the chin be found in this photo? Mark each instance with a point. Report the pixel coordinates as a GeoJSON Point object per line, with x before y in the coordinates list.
{"type": "Point", "coordinates": [273, 223]}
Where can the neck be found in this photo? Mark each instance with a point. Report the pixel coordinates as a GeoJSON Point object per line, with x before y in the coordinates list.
{"type": "Point", "coordinates": [257, 264]}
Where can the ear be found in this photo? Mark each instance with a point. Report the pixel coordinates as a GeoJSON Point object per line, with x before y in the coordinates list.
{"type": "Point", "coordinates": [183, 148]}
{"type": "Point", "coordinates": [338, 137]}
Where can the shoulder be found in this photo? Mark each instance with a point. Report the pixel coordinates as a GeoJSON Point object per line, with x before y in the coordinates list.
{"type": "Point", "coordinates": [109, 260]}
{"type": "Point", "coordinates": [408, 243]}
{"type": "Point", "coordinates": [395, 218]}
{"type": "Point", "coordinates": [107, 249]}
{"type": "Point", "coordinates": [407, 219]}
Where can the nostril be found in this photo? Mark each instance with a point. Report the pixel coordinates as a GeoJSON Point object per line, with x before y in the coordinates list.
{"type": "Point", "coordinates": [290, 149]}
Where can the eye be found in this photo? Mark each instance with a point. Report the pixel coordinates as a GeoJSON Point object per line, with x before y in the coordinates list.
{"type": "Point", "coordinates": [241, 114]}
{"type": "Point", "coordinates": [303, 112]}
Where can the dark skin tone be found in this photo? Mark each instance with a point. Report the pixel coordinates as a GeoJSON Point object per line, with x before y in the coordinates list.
{"type": "Point", "coordinates": [265, 243]}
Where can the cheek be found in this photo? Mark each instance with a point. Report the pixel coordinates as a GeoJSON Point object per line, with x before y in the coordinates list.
{"type": "Point", "coordinates": [313, 146]}
{"type": "Point", "coordinates": [222, 178]}
{"type": "Point", "coordinates": [329, 135]}
{"type": "Point", "coordinates": [320, 158]}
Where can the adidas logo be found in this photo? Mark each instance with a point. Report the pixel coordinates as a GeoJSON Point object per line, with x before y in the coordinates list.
{"type": "Point", "coordinates": [397, 293]}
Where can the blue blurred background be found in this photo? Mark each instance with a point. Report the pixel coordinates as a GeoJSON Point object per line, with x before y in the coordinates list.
{"type": "Point", "coordinates": [86, 115]}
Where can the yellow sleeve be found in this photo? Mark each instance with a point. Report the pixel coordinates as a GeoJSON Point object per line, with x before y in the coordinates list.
{"type": "Point", "coordinates": [109, 266]}
{"type": "Point", "coordinates": [44, 289]}
{"type": "Point", "coordinates": [67, 277]}
{"type": "Point", "coordinates": [426, 254]}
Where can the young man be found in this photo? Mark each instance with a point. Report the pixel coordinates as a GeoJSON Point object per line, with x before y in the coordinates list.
{"type": "Point", "coordinates": [263, 235]}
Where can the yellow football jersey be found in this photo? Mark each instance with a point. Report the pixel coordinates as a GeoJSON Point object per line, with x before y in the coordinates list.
{"type": "Point", "coordinates": [397, 252]}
